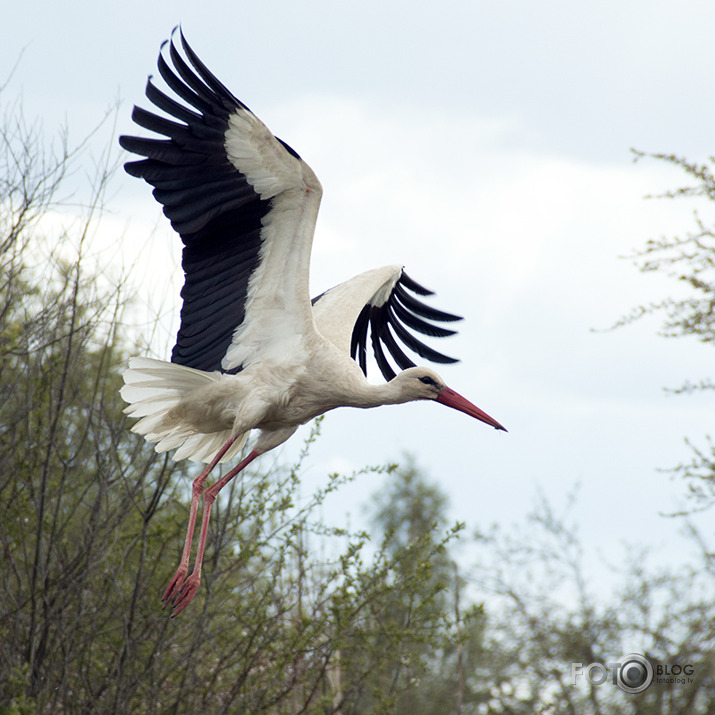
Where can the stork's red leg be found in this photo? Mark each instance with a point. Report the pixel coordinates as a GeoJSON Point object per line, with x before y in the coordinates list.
{"type": "Point", "coordinates": [172, 590]}
{"type": "Point", "coordinates": [191, 584]}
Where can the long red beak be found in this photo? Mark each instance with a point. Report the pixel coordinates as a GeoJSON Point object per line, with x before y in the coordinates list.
{"type": "Point", "coordinates": [453, 399]}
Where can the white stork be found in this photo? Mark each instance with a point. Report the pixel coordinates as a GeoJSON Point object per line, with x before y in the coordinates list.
{"type": "Point", "coordinates": [253, 351]}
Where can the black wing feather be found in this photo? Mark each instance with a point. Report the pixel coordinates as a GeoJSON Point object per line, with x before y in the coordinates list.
{"type": "Point", "coordinates": [208, 201]}
{"type": "Point", "coordinates": [414, 286]}
{"type": "Point", "coordinates": [183, 90]}
{"type": "Point", "coordinates": [399, 356]}
{"type": "Point", "coordinates": [358, 343]}
{"type": "Point", "coordinates": [388, 323]}
{"type": "Point", "coordinates": [175, 109]}
{"type": "Point", "coordinates": [416, 323]}
{"type": "Point", "coordinates": [417, 345]}
{"type": "Point", "coordinates": [420, 308]}
{"type": "Point", "coordinates": [208, 77]}
{"type": "Point", "coordinates": [382, 362]}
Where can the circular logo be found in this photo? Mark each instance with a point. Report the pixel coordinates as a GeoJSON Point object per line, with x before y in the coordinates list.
{"type": "Point", "coordinates": [635, 673]}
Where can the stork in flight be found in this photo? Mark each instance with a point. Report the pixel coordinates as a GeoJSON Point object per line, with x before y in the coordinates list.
{"type": "Point", "coordinates": [253, 351]}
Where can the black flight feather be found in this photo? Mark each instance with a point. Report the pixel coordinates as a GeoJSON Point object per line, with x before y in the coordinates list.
{"type": "Point", "coordinates": [389, 323]}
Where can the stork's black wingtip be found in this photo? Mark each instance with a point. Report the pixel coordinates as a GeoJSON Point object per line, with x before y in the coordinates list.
{"type": "Point", "coordinates": [184, 42]}
{"type": "Point", "coordinates": [174, 32]}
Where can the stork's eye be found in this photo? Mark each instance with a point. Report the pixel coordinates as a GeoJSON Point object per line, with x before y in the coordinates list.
{"type": "Point", "coordinates": [428, 381]}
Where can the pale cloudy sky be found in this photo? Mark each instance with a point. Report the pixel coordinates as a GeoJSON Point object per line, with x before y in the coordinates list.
{"type": "Point", "coordinates": [484, 145]}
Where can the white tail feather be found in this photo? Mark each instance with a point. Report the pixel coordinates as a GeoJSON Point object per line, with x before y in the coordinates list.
{"type": "Point", "coordinates": [153, 388]}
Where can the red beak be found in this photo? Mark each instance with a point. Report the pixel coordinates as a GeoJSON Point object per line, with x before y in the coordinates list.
{"type": "Point", "coordinates": [454, 399]}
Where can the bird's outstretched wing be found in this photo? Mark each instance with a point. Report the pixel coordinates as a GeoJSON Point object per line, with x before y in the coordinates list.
{"type": "Point", "coordinates": [383, 301]}
{"type": "Point", "coordinates": [245, 205]}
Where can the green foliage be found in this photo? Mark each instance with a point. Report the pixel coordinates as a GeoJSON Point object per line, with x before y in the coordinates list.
{"type": "Point", "coordinates": [409, 513]}
{"type": "Point", "coordinates": [688, 259]}
{"type": "Point", "coordinates": [14, 697]}
{"type": "Point", "coordinates": [547, 614]}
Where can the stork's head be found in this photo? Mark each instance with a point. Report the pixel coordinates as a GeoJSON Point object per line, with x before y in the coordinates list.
{"type": "Point", "coordinates": [421, 383]}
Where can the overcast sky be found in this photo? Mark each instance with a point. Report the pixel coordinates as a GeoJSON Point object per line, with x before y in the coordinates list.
{"type": "Point", "coordinates": [486, 146]}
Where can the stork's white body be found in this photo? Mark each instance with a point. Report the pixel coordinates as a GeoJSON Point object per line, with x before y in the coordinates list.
{"type": "Point", "coordinates": [304, 374]}
{"type": "Point", "coordinates": [253, 351]}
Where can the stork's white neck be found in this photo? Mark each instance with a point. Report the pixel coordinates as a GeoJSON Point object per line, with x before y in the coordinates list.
{"type": "Point", "coordinates": [390, 393]}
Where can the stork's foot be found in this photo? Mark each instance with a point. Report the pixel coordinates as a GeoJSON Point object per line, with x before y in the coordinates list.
{"type": "Point", "coordinates": [186, 594]}
{"type": "Point", "coordinates": [174, 587]}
